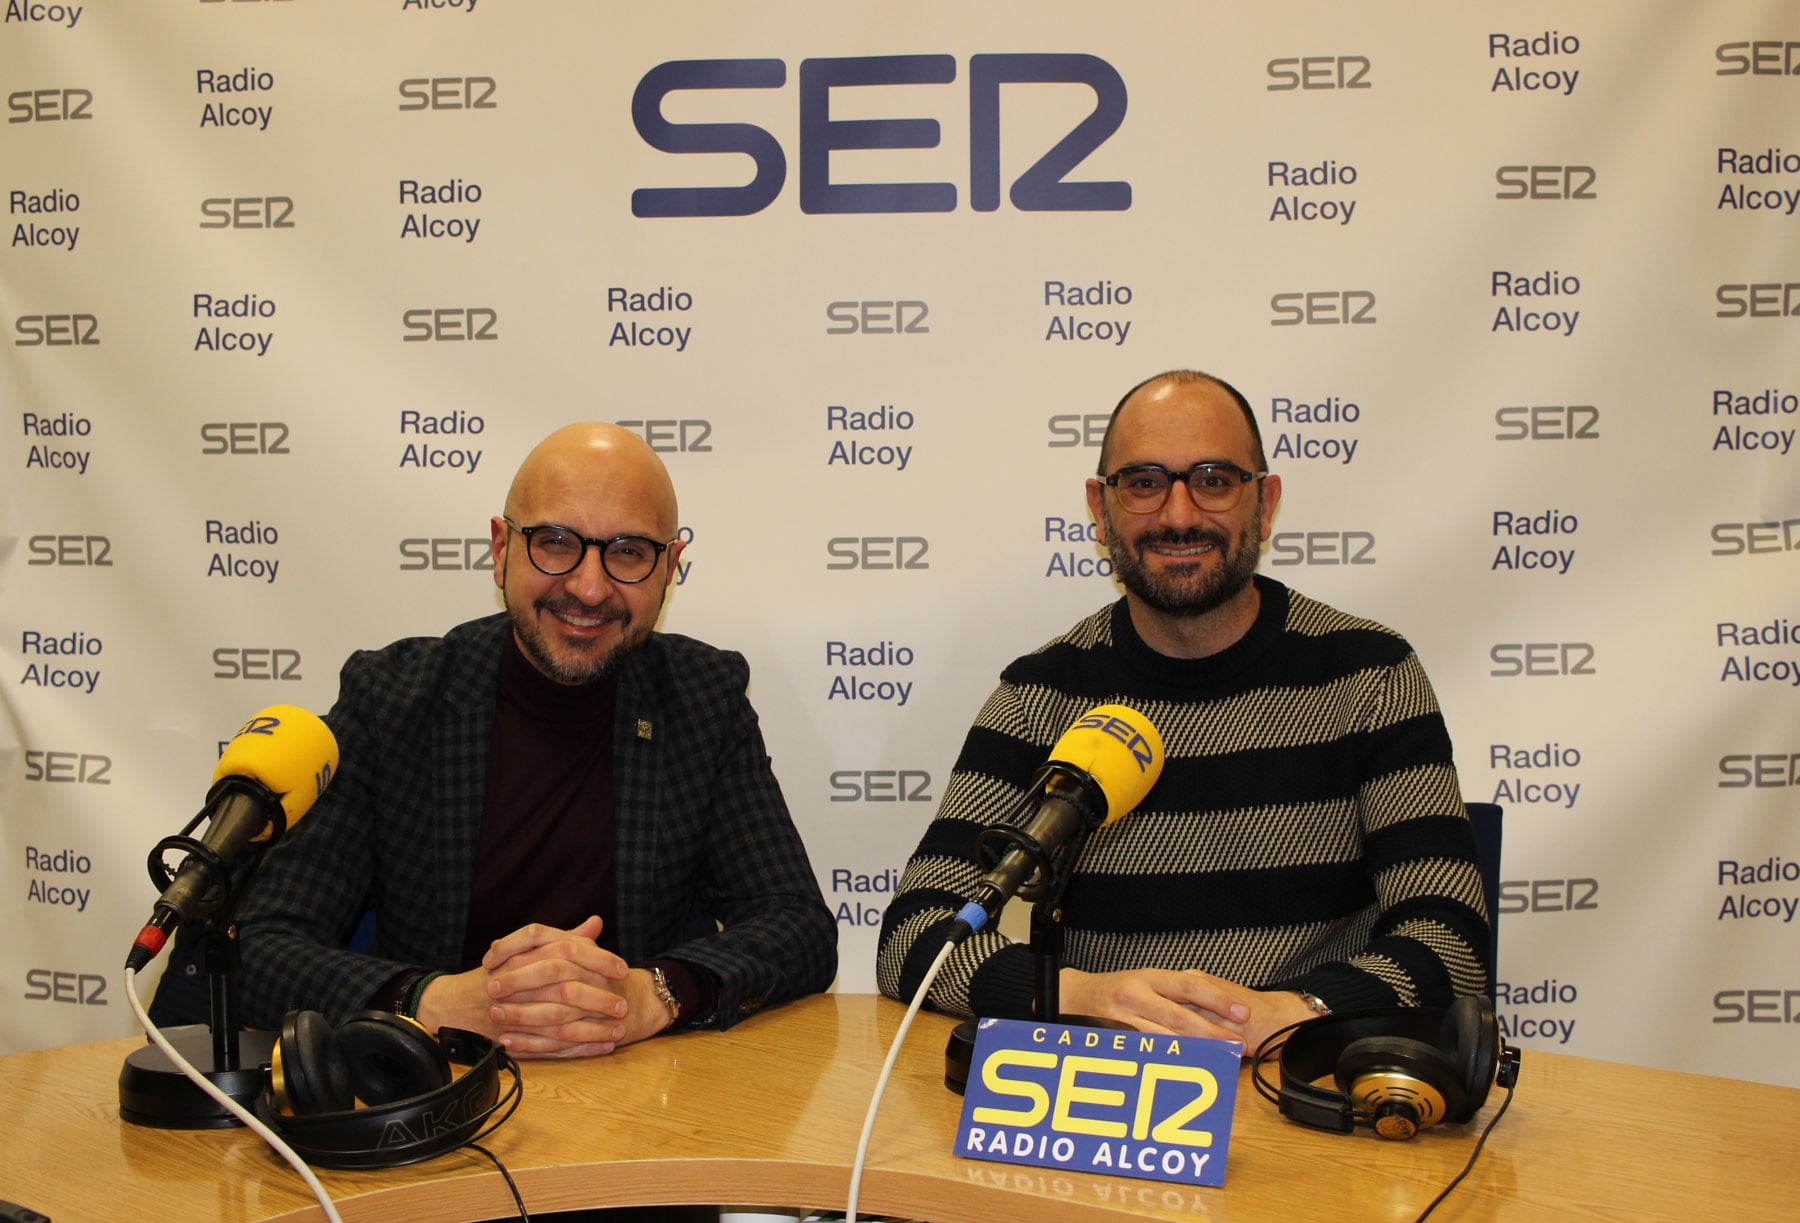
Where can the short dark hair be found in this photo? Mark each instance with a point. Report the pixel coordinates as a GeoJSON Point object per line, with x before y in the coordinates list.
{"type": "Point", "coordinates": [1178, 377]}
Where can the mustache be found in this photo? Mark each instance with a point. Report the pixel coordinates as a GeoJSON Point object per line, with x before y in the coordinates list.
{"type": "Point", "coordinates": [611, 609]}
{"type": "Point", "coordinates": [1184, 539]}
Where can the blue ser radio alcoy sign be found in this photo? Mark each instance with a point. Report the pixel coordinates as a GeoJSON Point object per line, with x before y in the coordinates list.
{"type": "Point", "coordinates": [1099, 1100]}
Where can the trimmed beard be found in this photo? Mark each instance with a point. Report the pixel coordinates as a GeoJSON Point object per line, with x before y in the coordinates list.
{"type": "Point", "coordinates": [587, 669]}
{"type": "Point", "coordinates": [1198, 591]}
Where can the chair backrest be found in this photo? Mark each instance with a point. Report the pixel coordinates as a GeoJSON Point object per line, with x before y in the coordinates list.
{"type": "Point", "coordinates": [1485, 818]}
{"type": "Point", "coordinates": [365, 929]}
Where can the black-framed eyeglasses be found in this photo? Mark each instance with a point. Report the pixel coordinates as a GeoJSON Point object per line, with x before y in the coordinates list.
{"type": "Point", "coordinates": [1144, 487]}
{"type": "Point", "coordinates": [556, 550]}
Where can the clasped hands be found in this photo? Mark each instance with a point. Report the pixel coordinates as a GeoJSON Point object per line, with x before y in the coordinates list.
{"type": "Point", "coordinates": [1184, 1003]}
{"type": "Point", "coordinates": [544, 992]}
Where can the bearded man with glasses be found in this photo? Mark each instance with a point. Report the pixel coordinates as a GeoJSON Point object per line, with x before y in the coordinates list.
{"type": "Point", "coordinates": [564, 822]}
{"type": "Point", "coordinates": [1306, 847]}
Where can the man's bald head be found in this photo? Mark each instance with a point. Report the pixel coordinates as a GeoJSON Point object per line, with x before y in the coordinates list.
{"type": "Point", "coordinates": [593, 461]}
{"type": "Point", "coordinates": [1182, 377]}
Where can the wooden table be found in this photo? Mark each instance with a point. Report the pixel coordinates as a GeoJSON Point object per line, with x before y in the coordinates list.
{"type": "Point", "coordinates": [769, 1113]}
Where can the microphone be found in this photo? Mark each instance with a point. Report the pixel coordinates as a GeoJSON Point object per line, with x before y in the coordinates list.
{"type": "Point", "coordinates": [268, 776]}
{"type": "Point", "coordinates": [1098, 771]}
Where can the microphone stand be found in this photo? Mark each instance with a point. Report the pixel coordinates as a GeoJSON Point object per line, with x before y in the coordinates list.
{"type": "Point", "coordinates": [154, 1092]}
{"type": "Point", "coordinates": [1047, 946]}
{"type": "Point", "coordinates": [1046, 960]}
{"type": "Point", "coordinates": [1046, 966]}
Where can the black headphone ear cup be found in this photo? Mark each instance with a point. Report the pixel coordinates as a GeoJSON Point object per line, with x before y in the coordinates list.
{"type": "Point", "coordinates": [390, 1058]}
{"type": "Point", "coordinates": [416, 1108]}
{"type": "Point", "coordinates": [311, 1076]}
{"type": "Point", "coordinates": [1405, 1085]}
{"type": "Point", "coordinates": [1471, 1037]}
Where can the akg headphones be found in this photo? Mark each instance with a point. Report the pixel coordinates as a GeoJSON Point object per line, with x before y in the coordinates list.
{"type": "Point", "coordinates": [416, 1109]}
{"type": "Point", "coordinates": [1398, 1069]}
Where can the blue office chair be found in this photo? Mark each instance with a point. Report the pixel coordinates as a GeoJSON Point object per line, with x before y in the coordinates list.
{"type": "Point", "coordinates": [365, 929]}
{"type": "Point", "coordinates": [1485, 817]}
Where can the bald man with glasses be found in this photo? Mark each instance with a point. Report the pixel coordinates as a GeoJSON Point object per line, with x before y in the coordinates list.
{"type": "Point", "coordinates": [1306, 846]}
{"type": "Point", "coordinates": [564, 821]}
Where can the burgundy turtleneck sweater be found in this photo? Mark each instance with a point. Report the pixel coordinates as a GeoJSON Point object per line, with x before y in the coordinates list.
{"type": "Point", "coordinates": [548, 836]}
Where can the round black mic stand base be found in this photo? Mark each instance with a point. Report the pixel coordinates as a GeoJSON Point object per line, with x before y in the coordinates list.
{"type": "Point", "coordinates": [153, 1092]}
{"type": "Point", "coordinates": [959, 1053]}
{"type": "Point", "coordinates": [152, 1089]}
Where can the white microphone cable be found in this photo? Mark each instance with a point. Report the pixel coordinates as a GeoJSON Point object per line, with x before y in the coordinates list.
{"type": "Point", "coordinates": [887, 1069]}
{"type": "Point", "coordinates": [232, 1106]}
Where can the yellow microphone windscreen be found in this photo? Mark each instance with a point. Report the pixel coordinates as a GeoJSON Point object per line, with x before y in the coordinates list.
{"type": "Point", "coordinates": [1119, 748]}
{"type": "Point", "coordinates": [288, 750]}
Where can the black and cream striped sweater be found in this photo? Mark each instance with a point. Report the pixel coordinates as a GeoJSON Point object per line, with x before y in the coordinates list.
{"type": "Point", "coordinates": [1307, 832]}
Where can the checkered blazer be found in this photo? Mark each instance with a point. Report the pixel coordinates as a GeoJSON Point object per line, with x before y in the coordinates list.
{"type": "Point", "coordinates": [710, 867]}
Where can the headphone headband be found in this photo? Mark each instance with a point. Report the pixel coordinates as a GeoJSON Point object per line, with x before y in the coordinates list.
{"type": "Point", "coordinates": [1399, 1069]}
{"type": "Point", "coordinates": [419, 1127]}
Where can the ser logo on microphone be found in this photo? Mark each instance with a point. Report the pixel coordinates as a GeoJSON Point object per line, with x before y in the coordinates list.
{"type": "Point", "coordinates": [267, 724]}
{"type": "Point", "coordinates": [1124, 732]}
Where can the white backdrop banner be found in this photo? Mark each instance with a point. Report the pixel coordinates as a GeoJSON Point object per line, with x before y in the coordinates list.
{"type": "Point", "coordinates": [288, 288]}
